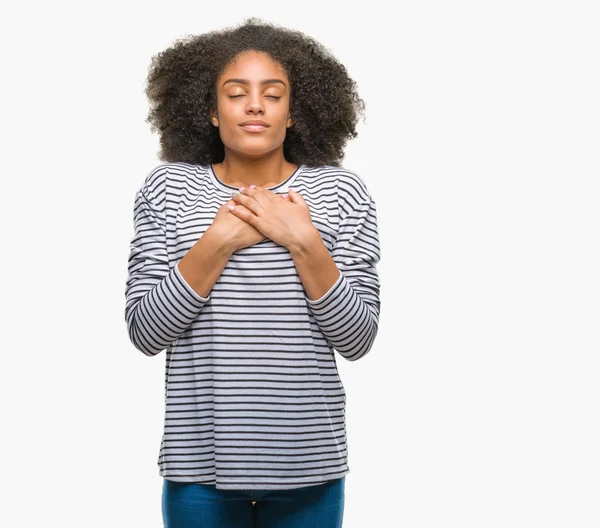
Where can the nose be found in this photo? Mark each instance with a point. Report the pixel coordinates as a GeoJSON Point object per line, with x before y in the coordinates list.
{"type": "Point", "coordinates": [255, 104]}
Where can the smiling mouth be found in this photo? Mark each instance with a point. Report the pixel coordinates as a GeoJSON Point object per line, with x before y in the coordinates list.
{"type": "Point", "coordinates": [254, 128]}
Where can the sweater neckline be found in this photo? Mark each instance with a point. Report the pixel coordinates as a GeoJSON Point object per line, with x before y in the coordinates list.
{"type": "Point", "coordinates": [283, 186]}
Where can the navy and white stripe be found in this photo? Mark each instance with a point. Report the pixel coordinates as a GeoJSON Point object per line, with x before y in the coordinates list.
{"type": "Point", "coordinates": [252, 391]}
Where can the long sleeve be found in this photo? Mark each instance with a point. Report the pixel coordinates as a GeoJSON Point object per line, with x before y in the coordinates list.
{"type": "Point", "coordinates": [348, 313]}
{"type": "Point", "coordinates": [159, 304]}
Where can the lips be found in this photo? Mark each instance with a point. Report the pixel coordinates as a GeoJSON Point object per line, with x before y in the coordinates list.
{"type": "Point", "coordinates": [254, 122]}
{"type": "Point", "coordinates": [254, 126]}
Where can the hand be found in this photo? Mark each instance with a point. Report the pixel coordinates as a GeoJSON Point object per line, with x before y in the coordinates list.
{"type": "Point", "coordinates": [235, 231]}
{"type": "Point", "coordinates": [285, 220]}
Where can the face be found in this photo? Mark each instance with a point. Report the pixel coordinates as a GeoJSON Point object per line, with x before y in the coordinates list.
{"type": "Point", "coordinates": [253, 88]}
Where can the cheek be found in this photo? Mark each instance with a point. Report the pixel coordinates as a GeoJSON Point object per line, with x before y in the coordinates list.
{"type": "Point", "coordinates": [228, 114]}
{"type": "Point", "coordinates": [228, 123]}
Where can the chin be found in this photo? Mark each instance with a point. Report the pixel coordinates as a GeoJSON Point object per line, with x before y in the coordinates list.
{"type": "Point", "coordinates": [255, 149]}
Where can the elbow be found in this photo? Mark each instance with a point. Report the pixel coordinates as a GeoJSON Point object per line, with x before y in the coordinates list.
{"type": "Point", "coordinates": [137, 340]}
{"type": "Point", "coordinates": [363, 347]}
{"type": "Point", "coordinates": [150, 352]}
{"type": "Point", "coordinates": [145, 349]}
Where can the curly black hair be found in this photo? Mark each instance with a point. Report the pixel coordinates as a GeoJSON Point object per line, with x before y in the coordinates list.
{"type": "Point", "coordinates": [181, 89]}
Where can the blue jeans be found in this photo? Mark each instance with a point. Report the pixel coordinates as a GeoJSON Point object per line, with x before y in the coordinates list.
{"type": "Point", "coordinates": [192, 505]}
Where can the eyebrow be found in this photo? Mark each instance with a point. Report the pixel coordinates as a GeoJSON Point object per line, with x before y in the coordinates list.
{"type": "Point", "coordinates": [246, 81]}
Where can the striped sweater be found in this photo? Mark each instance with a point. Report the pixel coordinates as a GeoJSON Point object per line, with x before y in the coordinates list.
{"type": "Point", "coordinates": [253, 398]}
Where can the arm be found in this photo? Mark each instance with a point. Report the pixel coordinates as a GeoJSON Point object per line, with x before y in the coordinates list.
{"type": "Point", "coordinates": [342, 289]}
{"type": "Point", "coordinates": [161, 302]}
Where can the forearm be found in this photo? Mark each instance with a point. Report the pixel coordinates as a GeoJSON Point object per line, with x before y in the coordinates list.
{"type": "Point", "coordinates": [158, 314]}
{"type": "Point", "coordinates": [346, 320]}
{"type": "Point", "coordinates": [203, 264]}
{"type": "Point", "coordinates": [315, 266]}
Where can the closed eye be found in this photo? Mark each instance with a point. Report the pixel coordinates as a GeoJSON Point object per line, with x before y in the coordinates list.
{"type": "Point", "coordinates": [242, 95]}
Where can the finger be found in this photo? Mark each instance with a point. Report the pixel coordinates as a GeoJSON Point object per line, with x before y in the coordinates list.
{"type": "Point", "coordinates": [237, 208]}
{"type": "Point", "coordinates": [260, 194]}
{"type": "Point", "coordinates": [260, 197]}
{"type": "Point", "coordinates": [296, 197]}
{"type": "Point", "coordinates": [245, 214]}
{"type": "Point", "coordinates": [249, 202]}
{"type": "Point", "coordinates": [266, 193]}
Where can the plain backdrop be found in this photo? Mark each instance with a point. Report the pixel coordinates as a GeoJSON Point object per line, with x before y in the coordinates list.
{"type": "Point", "coordinates": [478, 405]}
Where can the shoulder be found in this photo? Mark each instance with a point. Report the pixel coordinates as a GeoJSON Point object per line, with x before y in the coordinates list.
{"type": "Point", "coordinates": [351, 187]}
{"type": "Point", "coordinates": [172, 171]}
{"type": "Point", "coordinates": [168, 175]}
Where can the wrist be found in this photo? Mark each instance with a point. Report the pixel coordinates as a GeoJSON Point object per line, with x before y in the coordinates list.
{"type": "Point", "coordinates": [302, 243]}
{"type": "Point", "coordinates": [220, 243]}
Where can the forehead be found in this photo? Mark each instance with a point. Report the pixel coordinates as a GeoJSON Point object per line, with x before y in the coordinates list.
{"type": "Point", "coordinates": [254, 66]}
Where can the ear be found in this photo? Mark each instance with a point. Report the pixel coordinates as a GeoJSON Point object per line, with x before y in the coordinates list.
{"type": "Point", "coordinates": [214, 119]}
{"type": "Point", "coordinates": [289, 122]}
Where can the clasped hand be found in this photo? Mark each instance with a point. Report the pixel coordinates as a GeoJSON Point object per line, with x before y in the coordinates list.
{"type": "Point", "coordinates": [283, 219]}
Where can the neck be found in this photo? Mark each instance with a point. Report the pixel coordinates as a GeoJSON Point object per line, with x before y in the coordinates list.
{"type": "Point", "coordinates": [267, 171]}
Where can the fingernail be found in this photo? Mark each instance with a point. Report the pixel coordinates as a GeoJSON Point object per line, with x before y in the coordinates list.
{"type": "Point", "coordinates": [242, 188]}
{"type": "Point", "coordinates": [252, 186]}
{"type": "Point", "coordinates": [230, 207]}
{"type": "Point", "coordinates": [285, 195]}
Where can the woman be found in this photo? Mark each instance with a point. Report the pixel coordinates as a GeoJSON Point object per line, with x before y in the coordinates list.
{"type": "Point", "coordinates": [254, 257]}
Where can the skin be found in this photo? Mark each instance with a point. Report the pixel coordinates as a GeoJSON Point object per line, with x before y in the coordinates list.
{"type": "Point", "coordinates": [253, 157]}
{"type": "Point", "coordinates": [287, 222]}
{"type": "Point", "coordinates": [182, 85]}
{"type": "Point", "coordinates": [254, 161]}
